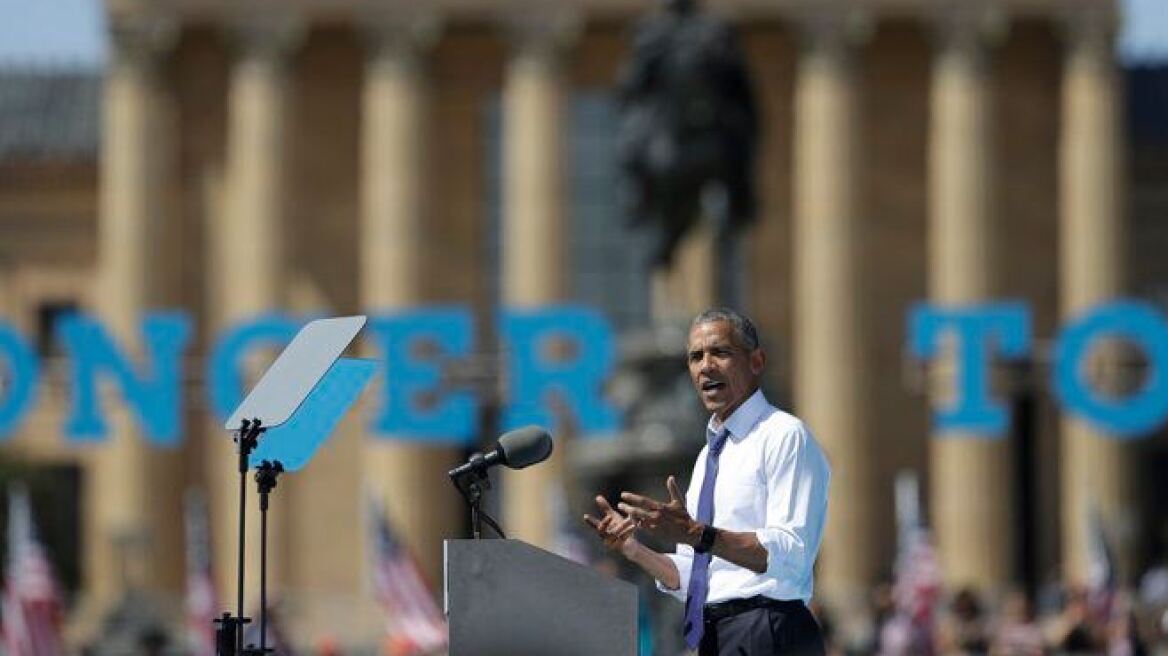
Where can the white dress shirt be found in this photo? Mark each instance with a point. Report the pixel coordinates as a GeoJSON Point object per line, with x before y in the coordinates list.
{"type": "Point", "coordinates": [772, 480]}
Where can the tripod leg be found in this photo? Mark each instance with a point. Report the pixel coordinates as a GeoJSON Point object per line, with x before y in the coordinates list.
{"type": "Point", "coordinates": [263, 573]}
{"type": "Point", "coordinates": [225, 633]}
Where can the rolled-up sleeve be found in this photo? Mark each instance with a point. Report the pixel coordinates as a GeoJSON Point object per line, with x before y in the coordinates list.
{"type": "Point", "coordinates": [797, 477]}
{"type": "Point", "coordinates": [683, 560]}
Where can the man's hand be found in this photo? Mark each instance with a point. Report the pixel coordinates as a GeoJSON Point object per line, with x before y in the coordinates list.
{"type": "Point", "coordinates": [614, 529]}
{"type": "Point", "coordinates": [619, 534]}
{"type": "Point", "coordinates": [668, 521]}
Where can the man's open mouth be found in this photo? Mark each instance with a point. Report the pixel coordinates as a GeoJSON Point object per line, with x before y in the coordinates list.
{"type": "Point", "coordinates": [712, 385]}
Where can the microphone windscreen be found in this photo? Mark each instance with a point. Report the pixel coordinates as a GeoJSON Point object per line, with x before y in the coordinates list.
{"type": "Point", "coordinates": [525, 446]}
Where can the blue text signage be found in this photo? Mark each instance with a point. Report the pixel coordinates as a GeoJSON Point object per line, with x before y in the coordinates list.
{"type": "Point", "coordinates": [986, 331]}
{"type": "Point", "coordinates": [412, 405]}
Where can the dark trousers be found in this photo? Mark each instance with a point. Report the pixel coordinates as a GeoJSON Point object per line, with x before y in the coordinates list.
{"type": "Point", "coordinates": [758, 627]}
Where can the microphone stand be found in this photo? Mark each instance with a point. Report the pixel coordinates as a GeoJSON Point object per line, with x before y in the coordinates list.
{"type": "Point", "coordinates": [471, 485]}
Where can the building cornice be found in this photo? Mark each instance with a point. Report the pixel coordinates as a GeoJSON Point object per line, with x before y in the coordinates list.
{"type": "Point", "coordinates": [346, 10]}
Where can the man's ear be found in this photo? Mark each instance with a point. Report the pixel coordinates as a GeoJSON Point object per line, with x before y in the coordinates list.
{"type": "Point", "coordinates": [757, 361]}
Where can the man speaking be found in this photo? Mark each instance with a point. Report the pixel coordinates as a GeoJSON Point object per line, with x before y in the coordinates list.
{"type": "Point", "coordinates": [748, 529]}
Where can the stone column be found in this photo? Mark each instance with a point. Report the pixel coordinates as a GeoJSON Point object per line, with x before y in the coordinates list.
{"type": "Point", "coordinates": [394, 195]}
{"type": "Point", "coordinates": [970, 472]}
{"type": "Point", "coordinates": [534, 254]}
{"type": "Point", "coordinates": [252, 240]}
{"type": "Point", "coordinates": [248, 264]}
{"type": "Point", "coordinates": [1098, 474]}
{"type": "Point", "coordinates": [124, 529]}
{"type": "Point", "coordinates": [831, 368]}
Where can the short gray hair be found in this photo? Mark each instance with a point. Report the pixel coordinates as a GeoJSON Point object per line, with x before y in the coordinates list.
{"type": "Point", "coordinates": [744, 331]}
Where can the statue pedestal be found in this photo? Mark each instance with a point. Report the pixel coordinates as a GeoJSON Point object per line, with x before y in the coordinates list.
{"type": "Point", "coordinates": [690, 286]}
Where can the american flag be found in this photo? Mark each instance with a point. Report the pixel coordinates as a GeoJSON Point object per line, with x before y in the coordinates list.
{"type": "Point", "coordinates": [1101, 569]}
{"type": "Point", "coordinates": [202, 599]}
{"type": "Point", "coordinates": [414, 623]}
{"type": "Point", "coordinates": [916, 590]}
{"type": "Point", "coordinates": [917, 577]}
{"type": "Point", "coordinates": [32, 598]}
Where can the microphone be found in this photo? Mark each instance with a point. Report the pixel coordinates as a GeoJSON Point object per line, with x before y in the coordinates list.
{"type": "Point", "coordinates": [516, 449]}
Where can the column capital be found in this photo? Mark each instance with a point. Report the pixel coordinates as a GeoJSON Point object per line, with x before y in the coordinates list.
{"type": "Point", "coordinates": [141, 37]}
{"type": "Point", "coordinates": [1089, 26]}
{"type": "Point", "coordinates": [834, 26]}
{"type": "Point", "coordinates": [542, 33]}
{"type": "Point", "coordinates": [399, 34]}
{"type": "Point", "coordinates": [968, 26]}
{"type": "Point", "coordinates": [265, 34]}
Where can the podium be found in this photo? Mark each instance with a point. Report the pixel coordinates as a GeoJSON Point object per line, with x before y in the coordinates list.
{"type": "Point", "coordinates": [508, 598]}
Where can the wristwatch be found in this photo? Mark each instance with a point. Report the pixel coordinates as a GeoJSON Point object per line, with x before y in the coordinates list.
{"type": "Point", "coordinates": [706, 542]}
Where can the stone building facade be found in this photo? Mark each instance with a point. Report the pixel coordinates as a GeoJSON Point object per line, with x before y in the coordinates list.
{"type": "Point", "coordinates": [346, 157]}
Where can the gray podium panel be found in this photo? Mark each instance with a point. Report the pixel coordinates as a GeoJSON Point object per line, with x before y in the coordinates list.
{"type": "Point", "coordinates": [508, 598]}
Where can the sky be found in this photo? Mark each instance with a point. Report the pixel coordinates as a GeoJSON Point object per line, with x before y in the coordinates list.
{"type": "Point", "coordinates": [1145, 31]}
{"type": "Point", "coordinates": [72, 33]}
{"type": "Point", "coordinates": [52, 32]}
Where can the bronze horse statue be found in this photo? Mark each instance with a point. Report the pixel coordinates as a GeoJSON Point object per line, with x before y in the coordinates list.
{"type": "Point", "coordinates": [688, 127]}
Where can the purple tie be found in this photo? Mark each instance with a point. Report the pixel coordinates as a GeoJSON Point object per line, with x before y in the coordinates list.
{"type": "Point", "coordinates": [699, 578]}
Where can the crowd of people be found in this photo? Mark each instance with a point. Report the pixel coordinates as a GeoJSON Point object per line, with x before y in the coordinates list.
{"type": "Point", "coordinates": [1059, 620]}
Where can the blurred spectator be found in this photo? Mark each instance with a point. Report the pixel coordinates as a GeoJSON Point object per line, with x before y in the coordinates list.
{"type": "Point", "coordinates": [152, 641]}
{"type": "Point", "coordinates": [826, 627]}
{"type": "Point", "coordinates": [1071, 631]}
{"type": "Point", "coordinates": [900, 637]}
{"type": "Point", "coordinates": [964, 630]}
{"type": "Point", "coordinates": [328, 646]}
{"type": "Point", "coordinates": [903, 626]}
{"type": "Point", "coordinates": [1018, 633]}
{"type": "Point", "coordinates": [1123, 637]}
{"type": "Point", "coordinates": [883, 607]}
{"type": "Point", "coordinates": [1154, 587]}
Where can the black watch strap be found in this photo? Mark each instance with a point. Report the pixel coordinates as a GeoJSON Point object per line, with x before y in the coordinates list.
{"type": "Point", "coordinates": [706, 542]}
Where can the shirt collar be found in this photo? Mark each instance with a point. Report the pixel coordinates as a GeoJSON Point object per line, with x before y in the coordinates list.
{"type": "Point", "coordinates": [742, 419]}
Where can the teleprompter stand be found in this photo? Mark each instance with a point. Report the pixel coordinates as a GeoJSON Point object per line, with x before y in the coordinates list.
{"type": "Point", "coordinates": [229, 629]}
{"type": "Point", "coordinates": [292, 381]}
